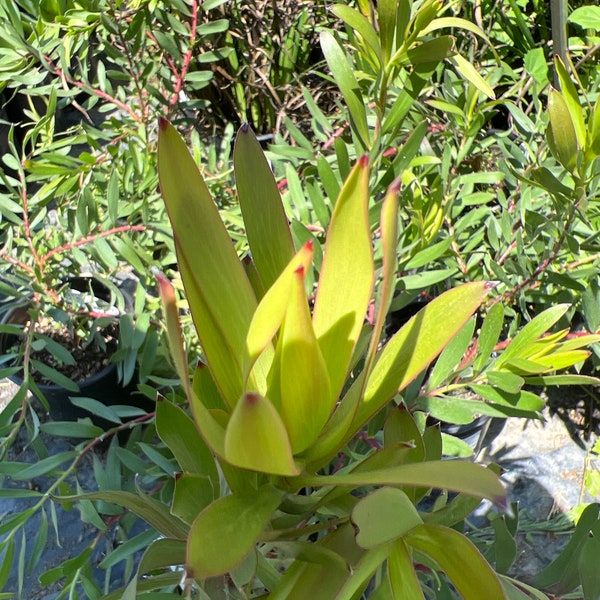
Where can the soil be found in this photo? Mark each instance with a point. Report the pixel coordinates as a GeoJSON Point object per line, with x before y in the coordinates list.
{"type": "Point", "coordinates": [88, 358]}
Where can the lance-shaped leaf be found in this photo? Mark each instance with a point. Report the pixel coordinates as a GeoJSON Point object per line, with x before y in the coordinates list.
{"type": "Point", "coordinates": [417, 344]}
{"type": "Point", "coordinates": [562, 137]}
{"type": "Point", "coordinates": [306, 399]}
{"type": "Point", "coordinates": [346, 81]}
{"type": "Point", "coordinates": [404, 582]}
{"type": "Point", "coordinates": [219, 292]}
{"type": "Point", "coordinates": [227, 530]}
{"type": "Point", "coordinates": [272, 308]}
{"type": "Point", "coordinates": [383, 516]}
{"type": "Point", "coordinates": [179, 433]}
{"type": "Point", "coordinates": [571, 97]}
{"type": "Point", "coordinates": [174, 334]}
{"type": "Point", "coordinates": [346, 279]}
{"type": "Point", "coordinates": [522, 343]}
{"type": "Point", "coordinates": [459, 559]}
{"type": "Point", "coordinates": [256, 438]}
{"type": "Point", "coordinates": [265, 222]}
{"type": "Point", "coordinates": [389, 247]}
{"type": "Point", "coordinates": [465, 477]}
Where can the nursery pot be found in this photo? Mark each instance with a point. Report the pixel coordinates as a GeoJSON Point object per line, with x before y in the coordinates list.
{"type": "Point", "coordinates": [103, 386]}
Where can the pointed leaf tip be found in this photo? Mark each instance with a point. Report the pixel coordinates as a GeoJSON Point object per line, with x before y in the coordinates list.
{"type": "Point", "coordinates": [245, 127]}
{"type": "Point", "coordinates": [251, 398]}
{"type": "Point", "coordinates": [162, 123]}
{"type": "Point", "coordinates": [364, 161]}
{"type": "Point", "coordinates": [396, 185]}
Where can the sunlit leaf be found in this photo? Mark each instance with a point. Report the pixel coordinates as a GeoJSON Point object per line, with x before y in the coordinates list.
{"type": "Point", "coordinates": [306, 399]}
{"type": "Point", "coordinates": [218, 289]}
{"type": "Point", "coordinates": [458, 476]}
{"type": "Point", "coordinates": [265, 221]}
{"type": "Point", "coordinates": [346, 279]}
{"type": "Point", "coordinates": [418, 342]}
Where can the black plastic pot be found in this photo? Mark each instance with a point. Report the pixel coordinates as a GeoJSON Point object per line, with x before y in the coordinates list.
{"type": "Point", "coordinates": [103, 386]}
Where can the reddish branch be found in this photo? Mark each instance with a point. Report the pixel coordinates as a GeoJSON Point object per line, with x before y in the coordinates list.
{"type": "Point", "coordinates": [91, 238]}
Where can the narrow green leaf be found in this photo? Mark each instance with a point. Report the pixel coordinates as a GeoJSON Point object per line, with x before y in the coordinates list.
{"type": "Point", "coordinates": [509, 382]}
{"type": "Point", "coordinates": [361, 25]}
{"type": "Point", "coordinates": [173, 327]}
{"type": "Point", "coordinates": [179, 433]}
{"type": "Point", "coordinates": [389, 246]}
{"type": "Point", "coordinates": [79, 429]}
{"type": "Point", "coordinates": [472, 75]}
{"type": "Point", "coordinates": [363, 571]}
{"type": "Point", "coordinates": [265, 221]}
{"type": "Point", "coordinates": [256, 438]}
{"type": "Point", "coordinates": [112, 197]}
{"type": "Point", "coordinates": [562, 136]}
{"type": "Point", "coordinates": [386, 20]}
{"type": "Point", "coordinates": [383, 516]}
{"type": "Point", "coordinates": [465, 477]}
{"type": "Point", "coordinates": [345, 79]}
{"type": "Point", "coordinates": [456, 22]}
{"type": "Point", "coordinates": [562, 572]}
{"type": "Point", "coordinates": [226, 531]}
{"type": "Point", "coordinates": [451, 355]}
{"type": "Point", "coordinates": [162, 553]}
{"type": "Point", "coordinates": [571, 97]}
{"type": "Point", "coordinates": [530, 333]}
{"type": "Point", "coordinates": [401, 573]}
{"type": "Point", "coordinates": [97, 408]}
{"type": "Point", "coordinates": [464, 565]}
{"type": "Point", "coordinates": [346, 279]}
{"type": "Point", "coordinates": [155, 513]}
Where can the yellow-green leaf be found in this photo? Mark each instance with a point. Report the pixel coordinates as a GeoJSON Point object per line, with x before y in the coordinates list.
{"type": "Point", "coordinates": [174, 334]}
{"type": "Point", "coordinates": [270, 312]}
{"type": "Point", "coordinates": [562, 137]}
{"type": "Point", "coordinates": [389, 247]}
{"type": "Point", "coordinates": [458, 557]}
{"type": "Point", "coordinates": [404, 582]}
{"type": "Point", "coordinates": [458, 476]}
{"type": "Point", "coordinates": [265, 221]}
{"type": "Point", "coordinates": [226, 531]}
{"type": "Point", "coordinates": [417, 344]}
{"type": "Point", "coordinates": [256, 438]}
{"type": "Point", "coordinates": [306, 399]}
{"type": "Point", "coordinates": [346, 279]}
{"type": "Point", "coordinates": [218, 289]}
{"type": "Point", "coordinates": [571, 97]}
{"type": "Point", "coordinates": [471, 74]}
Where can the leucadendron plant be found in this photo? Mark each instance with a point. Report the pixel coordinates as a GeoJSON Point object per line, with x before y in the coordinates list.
{"type": "Point", "coordinates": [278, 494]}
{"type": "Point", "coordinates": [288, 377]}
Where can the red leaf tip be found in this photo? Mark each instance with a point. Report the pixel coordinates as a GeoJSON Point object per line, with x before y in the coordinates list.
{"type": "Point", "coordinates": [363, 161]}
{"type": "Point", "coordinates": [309, 245]}
{"type": "Point", "coordinates": [251, 398]}
{"type": "Point", "coordinates": [300, 271]}
{"type": "Point", "coordinates": [395, 185]}
{"type": "Point", "coordinates": [245, 127]}
{"type": "Point", "coordinates": [162, 123]}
